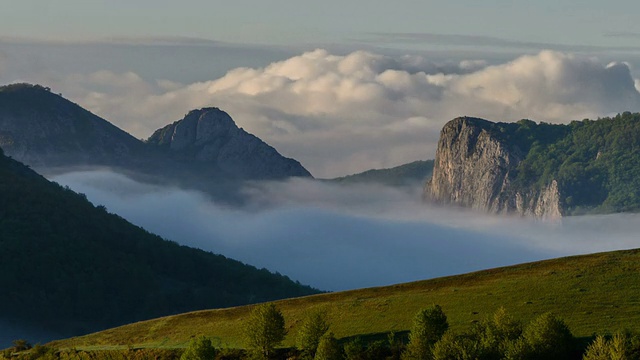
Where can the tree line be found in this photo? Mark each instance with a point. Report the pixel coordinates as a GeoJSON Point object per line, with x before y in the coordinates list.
{"type": "Point", "coordinates": [498, 337]}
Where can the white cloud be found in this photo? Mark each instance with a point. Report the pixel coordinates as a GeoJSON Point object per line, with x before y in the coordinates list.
{"type": "Point", "coordinates": [339, 114]}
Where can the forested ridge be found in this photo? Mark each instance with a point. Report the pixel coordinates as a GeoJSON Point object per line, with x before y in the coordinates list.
{"type": "Point", "coordinates": [595, 162]}
{"type": "Point", "coordinates": [73, 267]}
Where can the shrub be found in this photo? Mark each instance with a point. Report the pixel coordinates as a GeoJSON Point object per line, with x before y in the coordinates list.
{"type": "Point", "coordinates": [428, 327]}
{"type": "Point", "coordinates": [199, 348]}
{"type": "Point", "coordinates": [311, 331]}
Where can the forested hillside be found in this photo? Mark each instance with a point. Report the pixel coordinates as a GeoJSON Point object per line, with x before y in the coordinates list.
{"type": "Point", "coordinates": [596, 162]}
{"type": "Point", "coordinates": [404, 175]}
{"type": "Point", "coordinates": [68, 265]}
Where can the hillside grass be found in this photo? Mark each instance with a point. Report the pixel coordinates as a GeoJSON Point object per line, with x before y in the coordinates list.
{"type": "Point", "coordinates": [597, 293]}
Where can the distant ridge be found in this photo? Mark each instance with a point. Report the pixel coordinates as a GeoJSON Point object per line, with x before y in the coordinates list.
{"type": "Point", "coordinates": [43, 129]}
{"type": "Point", "coordinates": [413, 173]}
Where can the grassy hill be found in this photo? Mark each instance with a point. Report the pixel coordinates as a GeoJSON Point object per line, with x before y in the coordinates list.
{"type": "Point", "coordinates": [596, 293]}
{"type": "Point", "coordinates": [416, 172]}
{"type": "Point", "coordinates": [71, 267]}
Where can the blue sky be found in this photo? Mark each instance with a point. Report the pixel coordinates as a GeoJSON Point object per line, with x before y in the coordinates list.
{"type": "Point", "coordinates": [586, 22]}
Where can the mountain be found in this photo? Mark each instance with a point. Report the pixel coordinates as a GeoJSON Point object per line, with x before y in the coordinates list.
{"type": "Point", "coordinates": [205, 150]}
{"type": "Point", "coordinates": [69, 267]}
{"type": "Point", "coordinates": [43, 129]}
{"type": "Point", "coordinates": [416, 172]}
{"type": "Point", "coordinates": [539, 169]}
{"type": "Point", "coordinates": [210, 137]}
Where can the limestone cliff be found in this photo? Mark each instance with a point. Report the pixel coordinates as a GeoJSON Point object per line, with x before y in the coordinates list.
{"type": "Point", "coordinates": [475, 166]}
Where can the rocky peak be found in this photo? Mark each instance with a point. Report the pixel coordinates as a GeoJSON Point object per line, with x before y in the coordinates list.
{"type": "Point", "coordinates": [197, 128]}
{"type": "Point", "coordinates": [474, 167]}
{"type": "Point", "coordinates": [210, 136]}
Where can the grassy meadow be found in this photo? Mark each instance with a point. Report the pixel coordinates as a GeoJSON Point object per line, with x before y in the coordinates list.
{"type": "Point", "coordinates": [597, 293]}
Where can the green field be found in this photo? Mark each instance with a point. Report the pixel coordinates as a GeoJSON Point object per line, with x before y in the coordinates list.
{"type": "Point", "coordinates": [597, 293]}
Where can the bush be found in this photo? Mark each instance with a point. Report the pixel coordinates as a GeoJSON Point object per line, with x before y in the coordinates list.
{"type": "Point", "coordinates": [546, 337]}
{"type": "Point", "coordinates": [428, 327]}
{"type": "Point", "coordinates": [328, 348]}
{"type": "Point", "coordinates": [199, 348]}
{"type": "Point", "coordinates": [621, 346]}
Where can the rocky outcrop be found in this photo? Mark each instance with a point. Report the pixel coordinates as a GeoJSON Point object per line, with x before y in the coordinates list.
{"type": "Point", "coordinates": [210, 137]}
{"type": "Point", "coordinates": [475, 166]}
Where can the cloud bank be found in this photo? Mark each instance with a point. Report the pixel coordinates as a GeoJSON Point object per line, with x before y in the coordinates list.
{"type": "Point", "coordinates": [335, 237]}
{"type": "Point", "coordinates": [340, 114]}
{"type": "Point", "coordinates": [344, 113]}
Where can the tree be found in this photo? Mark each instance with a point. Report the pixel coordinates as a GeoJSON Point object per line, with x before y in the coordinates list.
{"type": "Point", "coordinates": [264, 330]}
{"type": "Point", "coordinates": [199, 348]}
{"type": "Point", "coordinates": [428, 327]}
{"type": "Point", "coordinates": [620, 346]}
{"type": "Point", "coordinates": [311, 331]}
{"type": "Point", "coordinates": [21, 345]}
{"type": "Point", "coordinates": [546, 337]}
{"type": "Point", "coordinates": [328, 348]}
{"type": "Point", "coordinates": [457, 347]}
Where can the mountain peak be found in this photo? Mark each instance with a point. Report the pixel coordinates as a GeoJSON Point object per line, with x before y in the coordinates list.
{"type": "Point", "coordinates": [195, 129]}
{"type": "Point", "coordinates": [209, 135]}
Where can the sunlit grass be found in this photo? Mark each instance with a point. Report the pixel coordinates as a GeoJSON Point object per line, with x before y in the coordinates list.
{"type": "Point", "coordinates": [597, 293]}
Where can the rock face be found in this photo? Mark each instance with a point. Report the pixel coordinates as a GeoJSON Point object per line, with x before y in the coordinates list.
{"type": "Point", "coordinates": [474, 167]}
{"type": "Point", "coordinates": [210, 137]}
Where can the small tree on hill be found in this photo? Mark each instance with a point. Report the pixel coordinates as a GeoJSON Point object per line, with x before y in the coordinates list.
{"type": "Point", "coordinates": [620, 346]}
{"type": "Point", "coordinates": [199, 348]}
{"type": "Point", "coordinates": [311, 331]}
{"type": "Point", "coordinates": [264, 330]}
{"type": "Point", "coordinates": [328, 348]}
{"type": "Point", "coordinates": [428, 327]}
{"type": "Point", "coordinates": [546, 337]}
{"type": "Point", "coordinates": [21, 345]}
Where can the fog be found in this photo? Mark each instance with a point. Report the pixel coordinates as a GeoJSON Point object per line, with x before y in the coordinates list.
{"type": "Point", "coordinates": [337, 237]}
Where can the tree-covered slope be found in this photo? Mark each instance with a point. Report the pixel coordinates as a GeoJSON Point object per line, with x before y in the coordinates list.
{"type": "Point", "coordinates": [72, 267]}
{"type": "Point", "coordinates": [403, 175]}
{"type": "Point", "coordinates": [596, 162]}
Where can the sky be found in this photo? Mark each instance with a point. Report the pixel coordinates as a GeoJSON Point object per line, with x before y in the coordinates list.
{"type": "Point", "coordinates": [586, 22]}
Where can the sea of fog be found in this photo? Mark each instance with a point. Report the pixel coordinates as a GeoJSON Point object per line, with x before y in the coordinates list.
{"type": "Point", "coordinates": [337, 237]}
